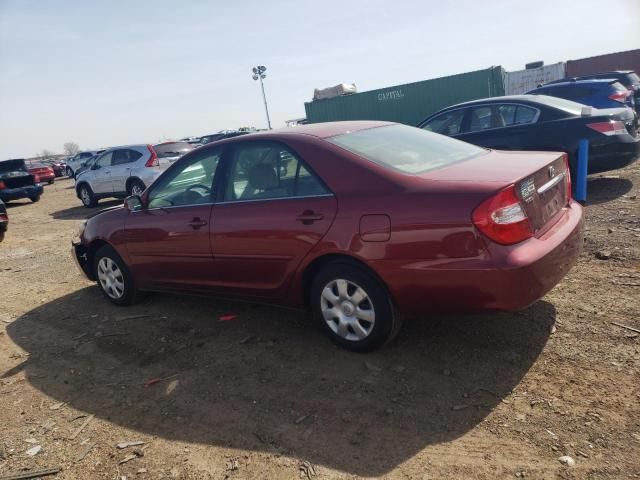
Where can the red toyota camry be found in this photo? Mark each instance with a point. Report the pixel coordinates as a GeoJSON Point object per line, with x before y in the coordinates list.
{"type": "Point", "coordinates": [358, 221]}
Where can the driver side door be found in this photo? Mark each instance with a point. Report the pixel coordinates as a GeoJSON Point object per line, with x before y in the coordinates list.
{"type": "Point", "coordinates": [101, 174]}
{"type": "Point", "coordinates": [168, 240]}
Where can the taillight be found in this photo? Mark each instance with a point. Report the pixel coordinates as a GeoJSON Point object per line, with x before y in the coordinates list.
{"type": "Point", "coordinates": [502, 218]}
{"type": "Point", "coordinates": [153, 159]}
{"type": "Point", "coordinates": [620, 96]}
{"type": "Point", "coordinates": [567, 178]}
{"type": "Point", "coordinates": [2, 185]}
{"type": "Point", "coordinates": [613, 127]}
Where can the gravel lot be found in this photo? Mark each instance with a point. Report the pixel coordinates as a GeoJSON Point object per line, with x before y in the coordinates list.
{"type": "Point", "coordinates": [267, 396]}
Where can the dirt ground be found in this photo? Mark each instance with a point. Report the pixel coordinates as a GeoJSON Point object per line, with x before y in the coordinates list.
{"type": "Point", "coordinates": [267, 396]}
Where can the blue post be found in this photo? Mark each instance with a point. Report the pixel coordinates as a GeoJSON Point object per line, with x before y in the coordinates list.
{"type": "Point", "coordinates": [581, 173]}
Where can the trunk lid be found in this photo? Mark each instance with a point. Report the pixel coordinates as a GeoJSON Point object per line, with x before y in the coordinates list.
{"type": "Point", "coordinates": [539, 180]}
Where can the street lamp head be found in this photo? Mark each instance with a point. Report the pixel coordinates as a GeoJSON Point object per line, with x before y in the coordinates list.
{"type": "Point", "coordinates": [255, 70]}
{"type": "Point", "coordinates": [262, 68]}
{"type": "Point", "coordinates": [263, 76]}
{"type": "Point", "coordinates": [255, 77]}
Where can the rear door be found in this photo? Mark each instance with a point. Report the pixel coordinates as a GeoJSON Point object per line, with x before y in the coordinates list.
{"type": "Point", "coordinates": [121, 164]}
{"type": "Point", "coordinates": [507, 126]}
{"type": "Point", "coordinates": [273, 211]}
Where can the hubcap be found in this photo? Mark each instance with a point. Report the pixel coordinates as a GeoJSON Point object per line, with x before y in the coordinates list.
{"type": "Point", "coordinates": [137, 189]}
{"type": "Point", "coordinates": [110, 278]}
{"type": "Point", "coordinates": [347, 309]}
{"type": "Point", "coordinates": [86, 198]}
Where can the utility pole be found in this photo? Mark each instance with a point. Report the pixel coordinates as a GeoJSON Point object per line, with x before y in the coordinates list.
{"type": "Point", "coordinates": [258, 74]}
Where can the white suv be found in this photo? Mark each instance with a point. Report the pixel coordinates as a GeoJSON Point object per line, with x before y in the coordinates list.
{"type": "Point", "coordinates": [119, 172]}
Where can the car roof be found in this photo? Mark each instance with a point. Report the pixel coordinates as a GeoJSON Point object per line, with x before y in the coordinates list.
{"type": "Point", "coordinates": [505, 98]}
{"type": "Point", "coordinates": [582, 81]}
{"type": "Point", "coordinates": [318, 130]}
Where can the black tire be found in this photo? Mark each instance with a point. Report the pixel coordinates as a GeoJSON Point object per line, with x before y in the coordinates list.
{"type": "Point", "coordinates": [69, 172]}
{"type": "Point", "coordinates": [1, 236]}
{"type": "Point", "coordinates": [386, 322]}
{"type": "Point", "coordinates": [50, 182]}
{"type": "Point", "coordinates": [86, 195]}
{"type": "Point", "coordinates": [35, 198]}
{"type": "Point", "coordinates": [136, 184]}
{"type": "Point", "coordinates": [130, 293]}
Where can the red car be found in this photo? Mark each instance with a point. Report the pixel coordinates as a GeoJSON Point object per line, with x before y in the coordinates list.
{"type": "Point", "coordinates": [358, 221]}
{"type": "Point", "coordinates": [42, 172]}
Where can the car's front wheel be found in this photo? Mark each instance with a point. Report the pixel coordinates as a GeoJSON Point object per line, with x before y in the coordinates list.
{"type": "Point", "coordinates": [113, 277]}
{"type": "Point", "coordinates": [353, 307]}
{"type": "Point", "coordinates": [69, 172]}
{"type": "Point", "coordinates": [86, 196]}
{"type": "Point", "coordinates": [35, 198]}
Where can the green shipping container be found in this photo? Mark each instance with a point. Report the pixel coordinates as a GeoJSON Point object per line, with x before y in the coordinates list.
{"type": "Point", "coordinates": [409, 103]}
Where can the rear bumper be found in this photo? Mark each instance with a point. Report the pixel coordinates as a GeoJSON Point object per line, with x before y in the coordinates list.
{"type": "Point", "coordinates": [506, 278]}
{"type": "Point", "coordinates": [8, 194]}
{"type": "Point", "coordinates": [612, 156]}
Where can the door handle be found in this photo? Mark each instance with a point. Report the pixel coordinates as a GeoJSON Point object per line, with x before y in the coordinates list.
{"type": "Point", "coordinates": [196, 223]}
{"type": "Point", "coordinates": [308, 217]}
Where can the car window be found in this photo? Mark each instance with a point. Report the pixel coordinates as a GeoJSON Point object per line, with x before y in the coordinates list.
{"type": "Point", "coordinates": [481, 119]}
{"type": "Point", "coordinates": [104, 160]}
{"type": "Point", "coordinates": [266, 170]}
{"type": "Point", "coordinates": [447, 123]}
{"type": "Point", "coordinates": [506, 115]}
{"type": "Point", "coordinates": [406, 149]}
{"type": "Point", "coordinates": [190, 183]}
{"type": "Point", "coordinates": [525, 115]}
{"type": "Point", "coordinates": [125, 155]}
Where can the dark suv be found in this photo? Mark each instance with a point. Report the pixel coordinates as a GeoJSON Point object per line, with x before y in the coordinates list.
{"type": "Point", "coordinates": [628, 78]}
{"type": "Point", "coordinates": [16, 182]}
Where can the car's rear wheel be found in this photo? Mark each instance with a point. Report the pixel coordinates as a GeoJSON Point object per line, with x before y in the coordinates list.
{"type": "Point", "coordinates": [113, 277]}
{"type": "Point", "coordinates": [86, 196]}
{"type": "Point", "coordinates": [136, 187]}
{"type": "Point", "coordinates": [69, 172]}
{"type": "Point", "coordinates": [35, 198]}
{"type": "Point", "coordinates": [353, 307]}
{"type": "Point", "coordinates": [50, 182]}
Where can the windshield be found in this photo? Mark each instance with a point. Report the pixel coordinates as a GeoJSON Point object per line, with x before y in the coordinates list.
{"type": "Point", "coordinates": [560, 103]}
{"type": "Point", "coordinates": [406, 149]}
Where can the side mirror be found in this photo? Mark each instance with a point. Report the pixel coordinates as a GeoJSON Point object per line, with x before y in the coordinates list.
{"type": "Point", "coordinates": [133, 203]}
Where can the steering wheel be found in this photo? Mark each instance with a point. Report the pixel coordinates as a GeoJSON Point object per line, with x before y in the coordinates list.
{"type": "Point", "coordinates": [199, 185]}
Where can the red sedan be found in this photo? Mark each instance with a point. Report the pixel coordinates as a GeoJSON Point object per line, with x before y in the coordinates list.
{"type": "Point", "coordinates": [43, 173]}
{"type": "Point", "coordinates": [358, 221]}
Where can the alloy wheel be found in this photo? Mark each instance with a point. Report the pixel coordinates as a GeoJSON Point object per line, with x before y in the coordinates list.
{"type": "Point", "coordinates": [347, 309]}
{"type": "Point", "coordinates": [86, 196]}
{"type": "Point", "coordinates": [111, 278]}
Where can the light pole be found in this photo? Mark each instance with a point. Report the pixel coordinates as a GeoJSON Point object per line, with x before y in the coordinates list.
{"type": "Point", "coordinates": [258, 74]}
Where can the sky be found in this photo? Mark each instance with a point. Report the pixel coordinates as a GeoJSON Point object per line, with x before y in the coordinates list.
{"type": "Point", "coordinates": [119, 72]}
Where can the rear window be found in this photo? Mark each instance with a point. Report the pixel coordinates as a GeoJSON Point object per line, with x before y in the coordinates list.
{"type": "Point", "coordinates": [560, 104]}
{"type": "Point", "coordinates": [406, 149]}
{"type": "Point", "coordinates": [12, 165]}
{"type": "Point", "coordinates": [174, 149]}
{"type": "Point", "coordinates": [633, 77]}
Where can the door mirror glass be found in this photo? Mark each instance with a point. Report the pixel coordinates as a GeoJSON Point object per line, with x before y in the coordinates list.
{"type": "Point", "coordinates": [133, 203]}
